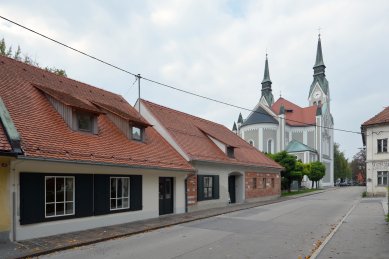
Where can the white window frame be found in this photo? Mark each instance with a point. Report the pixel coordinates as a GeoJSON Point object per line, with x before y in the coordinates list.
{"type": "Point", "coordinates": [208, 188]}
{"type": "Point", "coordinates": [55, 197]}
{"type": "Point", "coordinates": [381, 175]}
{"type": "Point", "coordinates": [116, 197]}
{"type": "Point", "coordinates": [384, 148]}
{"type": "Point", "coordinates": [251, 142]}
{"type": "Point", "coordinates": [141, 132]}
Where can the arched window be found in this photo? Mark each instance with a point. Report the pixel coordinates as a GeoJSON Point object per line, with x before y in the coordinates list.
{"type": "Point", "coordinates": [251, 142]}
{"type": "Point", "coordinates": [314, 103]}
{"type": "Point", "coordinates": [319, 103]}
{"type": "Point", "coordinates": [270, 146]}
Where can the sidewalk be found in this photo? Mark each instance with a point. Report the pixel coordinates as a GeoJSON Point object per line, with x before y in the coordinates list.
{"type": "Point", "coordinates": [363, 234]}
{"type": "Point", "coordinates": [45, 245]}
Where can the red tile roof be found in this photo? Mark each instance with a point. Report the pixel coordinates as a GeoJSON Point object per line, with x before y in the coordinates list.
{"type": "Point", "coordinates": [4, 144]}
{"type": "Point", "coordinates": [190, 133]}
{"type": "Point", "coordinates": [44, 134]}
{"type": "Point", "coordinates": [380, 118]}
{"type": "Point", "coordinates": [294, 114]}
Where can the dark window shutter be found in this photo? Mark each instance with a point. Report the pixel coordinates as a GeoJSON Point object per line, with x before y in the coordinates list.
{"type": "Point", "coordinates": [215, 187]}
{"type": "Point", "coordinates": [32, 198]}
{"type": "Point", "coordinates": [84, 195]}
{"type": "Point", "coordinates": [101, 194]}
{"type": "Point", "coordinates": [136, 192]}
{"type": "Point", "coordinates": [200, 188]}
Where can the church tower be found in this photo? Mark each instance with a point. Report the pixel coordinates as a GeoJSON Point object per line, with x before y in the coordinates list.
{"type": "Point", "coordinates": [319, 92]}
{"type": "Point", "coordinates": [267, 95]}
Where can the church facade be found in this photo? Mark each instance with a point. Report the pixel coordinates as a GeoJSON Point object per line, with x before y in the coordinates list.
{"type": "Point", "coordinates": [306, 132]}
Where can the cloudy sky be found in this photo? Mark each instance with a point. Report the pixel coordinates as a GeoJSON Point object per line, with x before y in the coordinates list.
{"type": "Point", "coordinates": [217, 49]}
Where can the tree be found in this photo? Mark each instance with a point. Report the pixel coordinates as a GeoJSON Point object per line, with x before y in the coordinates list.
{"type": "Point", "coordinates": [298, 172]}
{"type": "Point", "coordinates": [342, 168]}
{"type": "Point", "coordinates": [318, 170]}
{"type": "Point", "coordinates": [358, 166]}
{"type": "Point", "coordinates": [26, 59]}
{"type": "Point", "coordinates": [289, 163]}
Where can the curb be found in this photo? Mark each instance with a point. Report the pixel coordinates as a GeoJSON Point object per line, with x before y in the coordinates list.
{"type": "Point", "coordinates": [229, 210]}
{"type": "Point", "coordinates": [332, 233]}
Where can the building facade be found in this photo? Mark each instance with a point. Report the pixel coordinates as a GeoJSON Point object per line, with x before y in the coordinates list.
{"type": "Point", "coordinates": [83, 157]}
{"type": "Point", "coordinates": [375, 135]}
{"type": "Point", "coordinates": [228, 169]}
{"type": "Point", "coordinates": [307, 132]}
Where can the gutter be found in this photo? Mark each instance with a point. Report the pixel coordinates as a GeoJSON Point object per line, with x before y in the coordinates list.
{"type": "Point", "coordinates": [102, 164]}
{"type": "Point", "coordinates": [236, 164]}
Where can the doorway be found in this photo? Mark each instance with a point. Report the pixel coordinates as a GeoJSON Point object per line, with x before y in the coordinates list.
{"type": "Point", "coordinates": [231, 188]}
{"type": "Point", "coordinates": [165, 195]}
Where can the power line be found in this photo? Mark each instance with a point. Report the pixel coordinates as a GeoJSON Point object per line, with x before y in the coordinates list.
{"type": "Point", "coordinates": [163, 84]}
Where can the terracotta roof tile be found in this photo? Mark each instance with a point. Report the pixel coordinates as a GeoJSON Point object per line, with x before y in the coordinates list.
{"type": "Point", "coordinates": [190, 133]}
{"type": "Point", "coordinates": [380, 118]}
{"type": "Point", "coordinates": [45, 134]}
{"type": "Point", "coordinates": [294, 114]}
{"type": "Point", "coordinates": [4, 144]}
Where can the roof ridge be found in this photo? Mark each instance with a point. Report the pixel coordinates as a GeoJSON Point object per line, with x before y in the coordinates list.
{"type": "Point", "coordinates": [184, 113]}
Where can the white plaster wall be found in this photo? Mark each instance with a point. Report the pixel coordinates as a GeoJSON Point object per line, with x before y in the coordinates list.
{"type": "Point", "coordinates": [150, 184]}
{"type": "Point", "coordinates": [375, 161]}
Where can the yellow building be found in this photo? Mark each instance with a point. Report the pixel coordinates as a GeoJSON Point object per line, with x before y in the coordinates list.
{"type": "Point", "coordinates": [5, 206]}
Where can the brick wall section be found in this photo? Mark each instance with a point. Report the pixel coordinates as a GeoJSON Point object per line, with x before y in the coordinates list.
{"type": "Point", "coordinates": [192, 189]}
{"type": "Point", "coordinates": [260, 191]}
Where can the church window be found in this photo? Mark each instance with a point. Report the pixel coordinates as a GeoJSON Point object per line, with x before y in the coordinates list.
{"type": "Point", "coordinates": [270, 146]}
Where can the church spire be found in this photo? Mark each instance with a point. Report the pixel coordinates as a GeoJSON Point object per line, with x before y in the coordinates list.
{"type": "Point", "coordinates": [319, 67]}
{"type": "Point", "coordinates": [266, 75]}
{"type": "Point", "coordinates": [266, 85]}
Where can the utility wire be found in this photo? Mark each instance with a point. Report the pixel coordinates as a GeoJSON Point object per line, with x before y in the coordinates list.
{"type": "Point", "coordinates": [162, 84]}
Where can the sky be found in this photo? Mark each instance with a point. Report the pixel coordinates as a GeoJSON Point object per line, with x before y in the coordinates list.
{"type": "Point", "coordinates": [217, 49]}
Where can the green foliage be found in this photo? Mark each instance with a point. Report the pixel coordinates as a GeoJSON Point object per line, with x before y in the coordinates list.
{"type": "Point", "coordinates": [17, 56]}
{"type": "Point", "coordinates": [342, 168]}
{"type": "Point", "coordinates": [288, 162]}
{"type": "Point", "coordinates": [364, 194]}
{"type": "Point", "coordinates": [318, 170]}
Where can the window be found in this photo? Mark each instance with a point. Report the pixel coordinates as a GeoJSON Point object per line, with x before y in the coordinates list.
{"type": "Point", "coordinates": [264, 183]}
{"type": "Point", "coordinates": [120, 193]}
{"type": "Point", "coordinates": [137, 133]}
{"type": "Point", "coordinates": [84, 121]}
{"type": "Point", "coordinates": [251, 142]}
{"type": "Point", "coordinates": [270, 146]}
{"type": "Point", "coordinates": [230, 152]}
{"type": "Point", "coordinates": [382, 145]}
{"type": "Point", "coordinates": [208, 187]}
{"type": "Point", "coordinates": [272, 182]}
{"type": "Point", "coordinates": [254, 183]}
{"type": "Point", "coordinates": [382, 178]}
{"type": "Point", "coordinates": [59, 196]}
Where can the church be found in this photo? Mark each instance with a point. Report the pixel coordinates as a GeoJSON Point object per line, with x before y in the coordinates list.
{"type": "Point", "coordinates": [306, 132]}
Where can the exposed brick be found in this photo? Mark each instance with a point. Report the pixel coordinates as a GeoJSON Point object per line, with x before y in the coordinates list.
{"type": "Point", "coordinates": [259, 190]}
{"type": "Point", "coordinates": [192, 189]}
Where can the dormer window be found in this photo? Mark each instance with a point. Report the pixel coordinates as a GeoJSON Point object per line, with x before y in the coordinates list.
{"type": "Point", "coordinates": [137, 133]}
{"type": "Point", "coordinates": [230, 152]}
{"type": "Point", "coordinates": [85, 121]}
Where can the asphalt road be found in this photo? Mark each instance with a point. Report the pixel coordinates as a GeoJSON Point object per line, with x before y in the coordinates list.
{"type": "Point", "coordinates": [283, 230]}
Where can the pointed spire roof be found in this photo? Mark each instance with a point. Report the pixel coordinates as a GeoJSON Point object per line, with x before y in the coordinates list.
{"type": "Point", "coordinates": [266, 75]}
{"type": "Point", "coordinates": [240, 119]}
{"type": "Point", "coordinates": [234, 127]}
{"type": "Point", "coordinates": [319, 55]}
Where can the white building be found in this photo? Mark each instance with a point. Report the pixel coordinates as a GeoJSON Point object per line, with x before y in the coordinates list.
{"type": "Point", "coordinates": [306, 132]}
{"type": "Point", "coordinates": [375, 135]}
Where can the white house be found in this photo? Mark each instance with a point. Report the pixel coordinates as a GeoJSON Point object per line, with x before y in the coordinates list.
{"type": "Point", "coordinates": [375, 135]}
